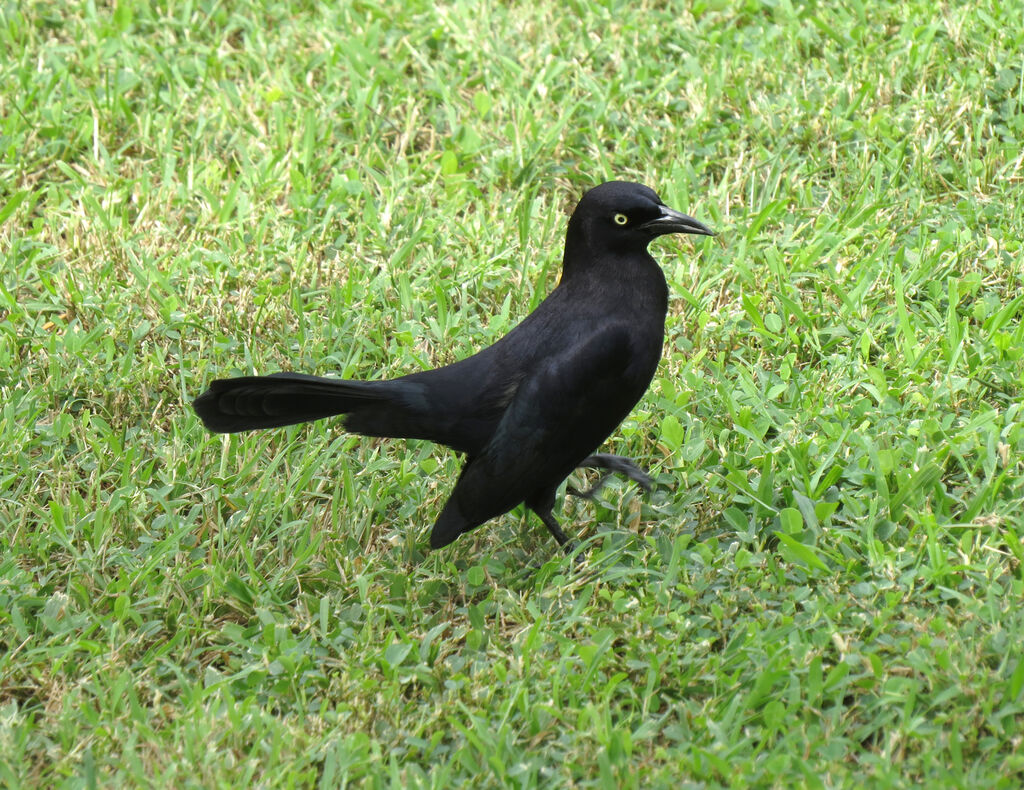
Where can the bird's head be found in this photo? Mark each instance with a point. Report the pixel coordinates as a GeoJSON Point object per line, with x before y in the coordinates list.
{"type": "Point", "coordinates": [620, 215]}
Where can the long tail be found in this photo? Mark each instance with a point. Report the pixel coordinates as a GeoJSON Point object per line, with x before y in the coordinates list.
{"type": "Point", "coordinates": [250, 402]}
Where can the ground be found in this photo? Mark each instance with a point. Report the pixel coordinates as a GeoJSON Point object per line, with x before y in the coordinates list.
{"type": "Point", "coordinates": [824, 589]}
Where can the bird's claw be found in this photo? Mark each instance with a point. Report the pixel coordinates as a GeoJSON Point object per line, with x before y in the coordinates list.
{"type": "Point", "coordinates": [610, 463]}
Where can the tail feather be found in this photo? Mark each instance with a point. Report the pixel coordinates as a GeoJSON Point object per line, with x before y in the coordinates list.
{"type": "Point", "coordinates": [251, 402]}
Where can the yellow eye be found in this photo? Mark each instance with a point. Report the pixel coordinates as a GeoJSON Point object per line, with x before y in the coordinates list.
{"type": "Point", "coordinates": [620, 219]}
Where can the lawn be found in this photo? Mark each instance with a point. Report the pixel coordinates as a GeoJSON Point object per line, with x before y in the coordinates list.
{"type": "Point", "coordinates": [823, 591]}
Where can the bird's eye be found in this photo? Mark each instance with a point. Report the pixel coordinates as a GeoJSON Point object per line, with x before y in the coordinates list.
{"type": "Point", "coordinates": [620, 219]}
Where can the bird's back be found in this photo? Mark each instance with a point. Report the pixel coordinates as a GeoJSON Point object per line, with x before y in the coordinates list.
{"type": "Point", "coordinates": [461, 404]}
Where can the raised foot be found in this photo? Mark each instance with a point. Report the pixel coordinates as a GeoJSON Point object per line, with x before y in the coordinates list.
{"type": "Point", "coordinates": [612, 464]}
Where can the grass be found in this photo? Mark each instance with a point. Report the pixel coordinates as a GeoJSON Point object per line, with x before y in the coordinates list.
{"type": "Point", "coordinates": [824, 590]}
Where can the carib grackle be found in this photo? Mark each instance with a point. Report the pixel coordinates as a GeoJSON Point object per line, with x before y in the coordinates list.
{"type": "Point", "coordinates": [529, 409]}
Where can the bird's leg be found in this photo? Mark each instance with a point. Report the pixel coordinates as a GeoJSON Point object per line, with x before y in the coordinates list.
{"type": "Point", "coordinates": [610, 463]}
{"type": "Point", "coordinates": [553, 527]}
{"type": "Point", "coordinates": [551, 523]}
{"type": "Point", "coordinates": [622, 465]}
{"type": "Point", "coordinates": [588, 493]}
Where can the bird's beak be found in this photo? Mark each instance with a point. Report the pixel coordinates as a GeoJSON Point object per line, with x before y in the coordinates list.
{"type": "Point", "coordinates": [672, 221]}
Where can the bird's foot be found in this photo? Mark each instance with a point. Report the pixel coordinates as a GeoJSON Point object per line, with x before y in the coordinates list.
{"type": "Point", "coordinates": [611, 464]}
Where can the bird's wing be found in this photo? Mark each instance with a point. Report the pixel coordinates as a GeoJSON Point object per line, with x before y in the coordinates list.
{"type": "Point", "coordinates": [559, 414]}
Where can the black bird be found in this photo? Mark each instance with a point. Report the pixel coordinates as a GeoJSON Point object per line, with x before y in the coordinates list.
{"type": "Point", "coordinates": [529, 409]}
